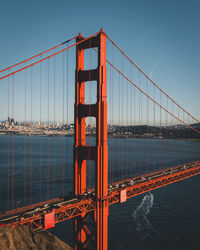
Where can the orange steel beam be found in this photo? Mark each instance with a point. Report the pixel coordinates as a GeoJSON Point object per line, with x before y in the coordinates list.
{"type": "Point", "coordinates": [88, 205]}
{"type": "Point", "coordinates": [156, 183]}
{"type": "Point", "coordinates": [36, 219]}
{"type": "Point", "coordinates": [99, 152]}
{"type": "Point", "coordinates": [102, 148]}
{"type": "Point", "coordinates": [79, 142]}
{"type": "Point", "coordinates": [30, 207]}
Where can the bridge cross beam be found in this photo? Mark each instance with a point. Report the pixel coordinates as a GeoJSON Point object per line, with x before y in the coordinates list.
{"type": "Point", "coordinates": [97, 153]}
{"type": "Point", "coordinates": [85, 225]}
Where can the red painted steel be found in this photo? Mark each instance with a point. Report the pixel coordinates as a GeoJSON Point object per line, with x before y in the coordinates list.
{"type": "Point", "coordinates": [102, 148]}
{"type": "Point", "coordinates": [91, 213]}
{"type": "Point", "coordinates": [98, 153]}
{"type": "Point", "coordinates": [49, 220]}
{"type": "Point", "coordinates": [77, 207]}
{"type": "Point", "coordinates": [79, 143]}
{"type": "Point", "coordinates": [158, 182]}
{"type": "Point", "coordinates": [123, 196]}
{"type": "Point", "coordinates": [30, 207]}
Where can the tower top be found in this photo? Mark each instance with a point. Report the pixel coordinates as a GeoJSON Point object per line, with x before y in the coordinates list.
{"type": "Point", "coordinates": [102, 31]}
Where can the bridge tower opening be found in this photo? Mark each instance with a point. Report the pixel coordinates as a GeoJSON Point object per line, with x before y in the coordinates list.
{"type": "Point", "coordinates": [91, 229]}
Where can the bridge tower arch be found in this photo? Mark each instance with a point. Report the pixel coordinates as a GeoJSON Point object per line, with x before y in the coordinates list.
{"type": "Point", "coordinates": [85, 235]}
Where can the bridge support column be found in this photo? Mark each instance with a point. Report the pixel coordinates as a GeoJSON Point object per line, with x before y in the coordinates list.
{"type": "Point", "coordinates": [86, 235]}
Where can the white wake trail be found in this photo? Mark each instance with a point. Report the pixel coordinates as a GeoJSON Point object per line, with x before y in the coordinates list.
{"type": "Point", "coordinates": [143, 226]}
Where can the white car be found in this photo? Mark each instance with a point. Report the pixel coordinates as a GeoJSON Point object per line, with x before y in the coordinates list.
{"type": "Point", "coordinates": [122, 185]}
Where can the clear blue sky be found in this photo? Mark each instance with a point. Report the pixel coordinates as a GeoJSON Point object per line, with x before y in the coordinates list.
{"type": "Point", "coordinates": [163, 36]}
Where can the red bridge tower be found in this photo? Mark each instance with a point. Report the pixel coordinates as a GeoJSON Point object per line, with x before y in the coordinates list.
{"type": "Point", "coordinates": [91, 230]}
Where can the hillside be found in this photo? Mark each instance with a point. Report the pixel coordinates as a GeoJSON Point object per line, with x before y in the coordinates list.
{"type": "Point", "coordinates": [23, 238]}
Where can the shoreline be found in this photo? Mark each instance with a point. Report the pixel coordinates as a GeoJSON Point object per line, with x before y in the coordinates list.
{"type": "Point", "coordinates": [109, 136]}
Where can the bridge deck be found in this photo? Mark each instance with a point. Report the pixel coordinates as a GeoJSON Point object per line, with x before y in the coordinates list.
{"type": "Point", "coordinates": [33, 215]}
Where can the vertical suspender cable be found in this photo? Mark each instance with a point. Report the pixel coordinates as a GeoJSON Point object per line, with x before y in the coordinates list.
{"type": "Point", "coordinates": [127, 134]}
{"type": "Point", "coordinates": [90, 119]}
{"type": "Point", "coordinates": [173, 112]}
{"type": "Point", "coordinates": [184, 131]}
{"type": "Point", "coordinates": [63, 120]}
{"type": "Point", "coordinates": [40, 130]}
{"type": "Point", "coordinates": [13, 128]}
{"type": "Point", "coordinates": [67, 94]}
{"type": "Point", "coordinates": [25, 134]}
{"type": "Point", "coordinates": [90, 123]}
{"type": "Point", "coordinates": [147, 130]}
{"type": "Point", "coordinates": [167, 131]}
{"type": "Point", "coordinates": [31, 132]}
{"type": "Point", "coordinates": [160, 136]}
{"type": "Point", "coordinates": [131, 125]}
{"type": "Point", "coordinates": [119, 132]}
{"type": "Point", "coordinates": [140, 132]}
{"type": "Point", "coordinates": [178, 128]}
{"type": "Point", "coordinates": [134, 124]}
{"type": "Point", "coordinates": [48, 132]}
{"type": "Point", "coordinates": [54, 120]}
{"type": "Point", "coordinates": [123, 164]}
{"type": "Point", "coordinates": [112, 115]}
{"type": "Point", "coordinates": [188, 133]}
{"type": "Point", "coordinates": [8, 170]}
{"type": "Point", "coordinates": [141, 120]}
{"type": "Point", "coordinates": [110, 122]}
{"type": "Point", "coordinates": [154, 130]}
{"type": "Point", "coordinates": [110, 128]}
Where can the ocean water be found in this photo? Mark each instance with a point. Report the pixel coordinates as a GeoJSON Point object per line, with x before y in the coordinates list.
{"type": "Point", "coordinates": [168, 218]}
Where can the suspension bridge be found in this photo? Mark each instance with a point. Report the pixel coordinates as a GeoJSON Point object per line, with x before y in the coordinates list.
{"type": "Point", "coordinates": [85, 97]}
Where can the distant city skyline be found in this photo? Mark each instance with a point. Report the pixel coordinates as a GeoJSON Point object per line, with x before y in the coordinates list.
{"type": "Point", "coordinates": [161, 37]}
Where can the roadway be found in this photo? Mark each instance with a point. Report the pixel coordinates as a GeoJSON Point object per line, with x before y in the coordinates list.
{"type": "Point", "coordinates": [64, 209]}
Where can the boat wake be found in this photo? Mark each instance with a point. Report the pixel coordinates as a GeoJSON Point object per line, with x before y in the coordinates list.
{"type": "Point", "coordinates": [143, 226]}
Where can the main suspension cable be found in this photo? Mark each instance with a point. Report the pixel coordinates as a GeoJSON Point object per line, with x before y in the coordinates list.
{"type": "Point", "coordinates": [45, 58]}
{"type": "Point", "coordinates": [30, 58]}
{"type": "Point", "coordinates": [160, 106]}
{"type": "Point", "coordinates": [151, 80]}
